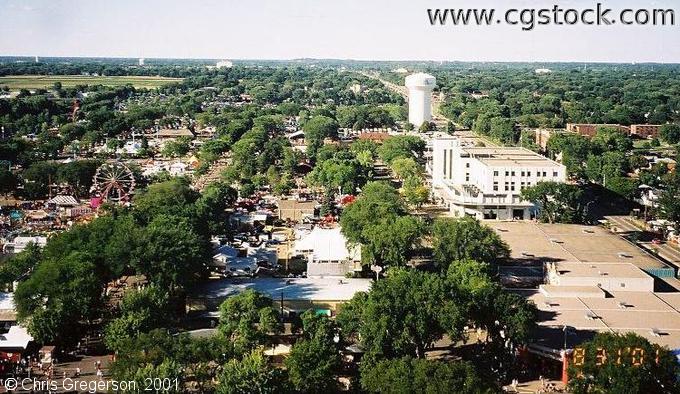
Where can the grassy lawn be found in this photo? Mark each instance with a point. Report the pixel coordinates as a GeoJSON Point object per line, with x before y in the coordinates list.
{"type": "Point", "coordinates": [16, 82]}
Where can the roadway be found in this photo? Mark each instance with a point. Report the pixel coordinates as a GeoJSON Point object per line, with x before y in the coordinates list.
{"type": "Point", "coordinates": [625, 225]}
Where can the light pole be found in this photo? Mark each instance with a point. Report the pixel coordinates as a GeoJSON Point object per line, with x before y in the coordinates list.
{"type": "Point", "coordinates": [377, 269]}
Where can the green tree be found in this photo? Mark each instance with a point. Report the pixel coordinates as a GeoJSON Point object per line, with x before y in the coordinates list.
{"type": "Point", "coordinates": [160, 353]}
{"type": "Point", "coordinates": [392, 242]}
{"type": "Point", "coordinates": [247, 319]}
{"type": "Point", "coordinates": [173, 197]}
{"type": "Point", "coordinates": [166, 371]}
{"type": "Point", "coordinates": [466, 238]}
{"type": "Point", "coordinates": [312, 365]}
{"type": "Point", "coordinates": [335, 173]}
{"type": "Point", "coordinates": [79, 175]}
{"type": "Point", "coordinates": [177, 148]}
{"type": "Point", "coordinates": [400, 147]}
{"type": "Point", "coordinates": [409, 375]}
{"type": "Point", "coordinates": [18, 267]}
{"type": "Point", "coordinates": [625, 187]}
{"type": "Point", "coordinates": [405, 167]}
{"type": "Point", "coordinates": [37, 179]}
{"type": "Point", "coordinates": [574, 149]}
{"type": "Point", "coordinates": [420, 312]}
{"type": "Point", "coordinates": [140, 311]}
{"type": "Point", "coordinates": [59, 297]}
{"type": "Point", "coordinates": [628, 363]}
{"type": "Point", "coordinates": [8, 181]}
{"type": "Point", "coordinates": [669, 202]}
{"type": "Point", "coordinates": [670, 133]}
{"type": "Point", "coordinates": [316, 130]}
{"type": "Point", "coordinates": [377, 201]}
{"type": "Point", "coordinates": [251, 374]}
{"type": "Point", "coordinates": [414, 191]}
{"type": "Point", "coordinates": [170, 253]}
{"type": "Point", "coordinates": [557, 202]}
{"type": "Point", "coordinates": [611, 139]}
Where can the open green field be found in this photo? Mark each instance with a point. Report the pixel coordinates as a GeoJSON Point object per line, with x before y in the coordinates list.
{"type": "Point", "coordinates": [16, 82]}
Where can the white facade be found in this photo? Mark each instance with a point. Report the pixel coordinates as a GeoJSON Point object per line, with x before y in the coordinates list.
{"type": "Point", "coordinates": [19, 244]}
{"type": "Point", "coordinates": [420, 87]}
{"type": "Point", "coordinates": [486, 182]}
{"type": "Point", "coordinates": [328, 252]}
{"type": "Point", "coordinates": [224, 64]}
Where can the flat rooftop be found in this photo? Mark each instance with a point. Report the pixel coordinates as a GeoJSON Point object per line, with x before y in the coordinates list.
{"type": "Point", "coordinates": [596, 270]}
{"type": "Point", "coordinates": [308, 289]}
{"type": "Point", "coordinates": [509, 156]}
{"type": "Point", "coordinates": [654, 316]}
{"type": "Point", "coordinates": [570, 243]}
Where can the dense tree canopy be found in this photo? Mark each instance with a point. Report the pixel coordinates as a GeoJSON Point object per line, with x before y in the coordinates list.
{"type": "Point", "coordinates": [629, 363]}
{"type": "Point", "coordinates": [247, 319]}
{"type": "Point", "coordinates": [557, 202]}
{"type": "Point", "coordinates": [409, 375]}
{"type": "Point", "coordinates": [466, 238]}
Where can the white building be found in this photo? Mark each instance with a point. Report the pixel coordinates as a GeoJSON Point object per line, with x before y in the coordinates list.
{"type": "Point", "coordinates": [420, 87]}
{"type": "Point", "coordinates": [224, 64]}
{"type": "Point", "coordinates": [19, 244]}
{"type": "Point", "coordinates": [486, 182]}
{"type": "Point", "coordinates": [141, 61]}
{"type": "Point", "coordinates": [328, 252]}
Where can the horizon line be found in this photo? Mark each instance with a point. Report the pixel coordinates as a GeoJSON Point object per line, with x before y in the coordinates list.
{"type": "Point", "coordinates": [646, 62]}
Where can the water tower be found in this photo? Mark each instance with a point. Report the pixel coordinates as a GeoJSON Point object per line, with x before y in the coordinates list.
{"type": "Point", "coordinates": [420, 86]}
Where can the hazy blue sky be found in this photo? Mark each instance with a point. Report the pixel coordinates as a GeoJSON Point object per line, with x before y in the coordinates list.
{"type": "Point", "coordinates": [284, 29]}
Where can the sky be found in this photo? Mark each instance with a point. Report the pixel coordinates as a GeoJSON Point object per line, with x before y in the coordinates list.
{"type": "Point", "coordinates": [337, 29]}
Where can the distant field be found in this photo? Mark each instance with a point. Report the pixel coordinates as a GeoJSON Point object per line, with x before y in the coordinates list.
{"type": "Point", "coordinates": [16, 82]}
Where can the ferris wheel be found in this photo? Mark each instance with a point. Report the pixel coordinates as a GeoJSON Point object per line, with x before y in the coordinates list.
{"type": "Point", "coordinates": [113, 182]}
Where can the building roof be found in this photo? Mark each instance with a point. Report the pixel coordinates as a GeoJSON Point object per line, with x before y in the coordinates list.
{"type": "Point", "coordinates": [509, 156]}
{"type": "Point", "coordinates": [654, 316]}
{"type": "Point", "coordinates": [596, 270]}
{"type": "Point", "coordinates": [16, 338]}
{"type": "Point", "coordinates": [571, 243]}
{"type": "Point", "coordinates": [174, 133]}
{"type": "Point", "coordinates": [299, 289]}
{"type": "Point", "coordinates": [67, 201]}
{"type": "Point", "coordinates": [24, 241]}
{"type": "Point", "coordinates": [327, 245]}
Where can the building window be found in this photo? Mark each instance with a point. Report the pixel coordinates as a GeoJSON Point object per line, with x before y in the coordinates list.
{"type": "Point", "coordinates": [467, 165]}
{"type": "Point", "coordinates": [512, 186]}
{"type": "Point", "coordinates": [467, 177]}
{"type": "Point", "coordinates": [555, 174]}
{"type": "Point", "coordinates": [451, 164]}
{"type": "Point", "coordinates": [445, 162]}
{"type": "Point", "coordinates": [495, 186]}
{"type": "Point", "coordinates": [623, 285]}
{"type": "Point", "coordinates": [522, 173]}
{"type": "Point", "coordinates": [544, 174]}
{"type": "Point", "coordinates": [513, 173]}
{"type": "Point", "coordinates": [495, 173]}
{"type": "Point", "coordinates": [528, 173]}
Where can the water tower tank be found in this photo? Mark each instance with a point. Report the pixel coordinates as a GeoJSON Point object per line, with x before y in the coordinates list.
{"type": "Point", "coordinates": [420, 86]}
